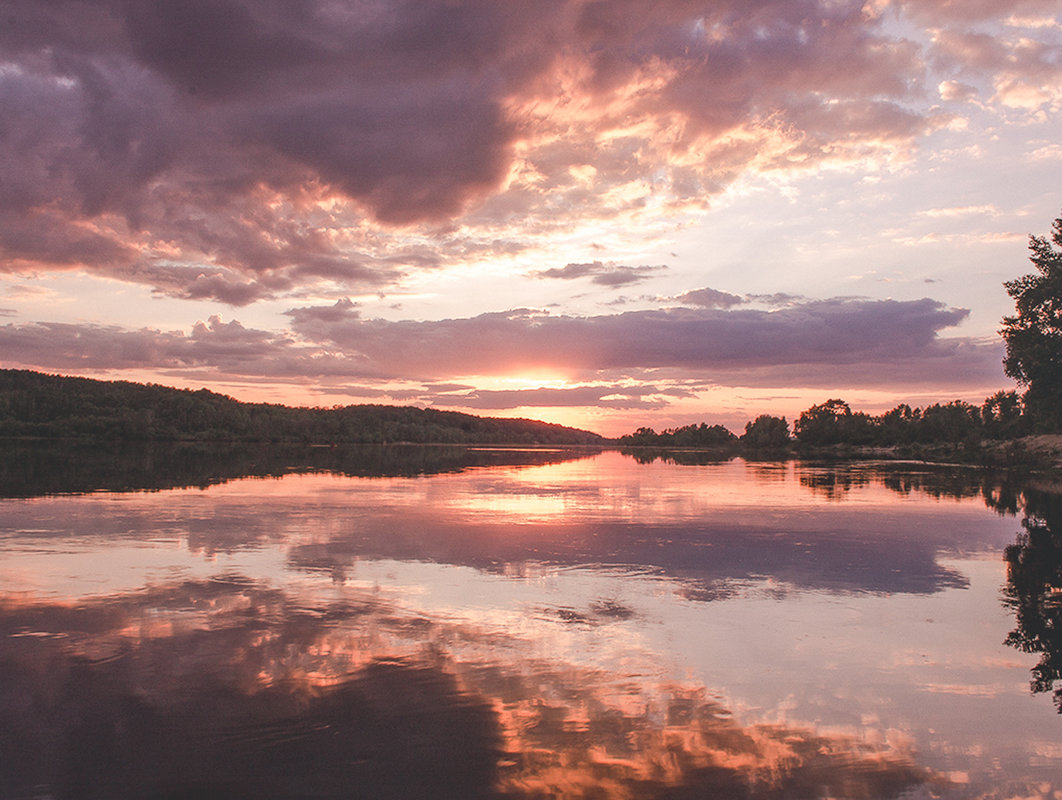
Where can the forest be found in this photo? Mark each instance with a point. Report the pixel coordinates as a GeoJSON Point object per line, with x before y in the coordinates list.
{"type": "Point", "coordinates": [37, 405]}
{"type": "Point", "coordinates": [1002, 416]}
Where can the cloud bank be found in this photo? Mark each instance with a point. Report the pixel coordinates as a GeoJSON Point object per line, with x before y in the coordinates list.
{"type": "Point", "coordinates": [847, 333]}
{"type": "Point", "coordinates": [637, 359]}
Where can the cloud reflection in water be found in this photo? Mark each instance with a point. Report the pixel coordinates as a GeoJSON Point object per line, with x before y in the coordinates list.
{"type": "Point", "coordinates": [231, 687]}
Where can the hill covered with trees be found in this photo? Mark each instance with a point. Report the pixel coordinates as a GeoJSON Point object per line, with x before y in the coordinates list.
{"type": "Point", "coordinates": [34, 404]}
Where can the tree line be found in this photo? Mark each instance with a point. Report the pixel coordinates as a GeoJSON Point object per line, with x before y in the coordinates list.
{"type": "Point", "coordinates": [1001, 416]}
{"type": "Point", "coordinates": [34, 404]}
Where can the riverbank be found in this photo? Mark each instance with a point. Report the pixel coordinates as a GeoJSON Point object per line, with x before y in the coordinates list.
{"type": "Point", "coordinates": [1040, 453]}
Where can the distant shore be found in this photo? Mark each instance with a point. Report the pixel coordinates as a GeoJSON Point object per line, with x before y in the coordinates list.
{"type": "Point", "coordinates": [1039, 453]}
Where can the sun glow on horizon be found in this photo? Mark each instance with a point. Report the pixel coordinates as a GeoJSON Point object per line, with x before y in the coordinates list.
{"type": "Point", "coordinates": [544, 378]}
{"type": "Point", "coordinates": [641, 240]}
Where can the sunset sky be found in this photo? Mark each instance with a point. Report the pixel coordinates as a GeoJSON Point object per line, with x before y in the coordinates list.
{"type": "Point", "coordinates": [604, 214]}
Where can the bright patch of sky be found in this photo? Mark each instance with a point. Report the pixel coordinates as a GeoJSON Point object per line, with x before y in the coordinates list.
{"type": "Point", "coordinates": [654, 168]}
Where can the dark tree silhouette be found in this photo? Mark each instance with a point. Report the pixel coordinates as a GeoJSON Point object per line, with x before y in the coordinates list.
{"type": "Point", "coordinates": [1001, 415]}
{"type": "Point", "coordinates": [703, 435]}
{"type": "Point", "coordinates": [44, 467]}
{"type": "Point", "coordinates": [1034, 590]}
{"type": "Point", "coordinates": [766, 433]}
{"type": "Point", "coordinates": [949, 422]}
{"type": "Point", "coordinates": [1033, 336]}
{"type": "Point", "coordinates": [833, 422]}
{"type": "Point", "coordinates": [33, 404]}
{"type": "Point", "coordinates": [898, 426]}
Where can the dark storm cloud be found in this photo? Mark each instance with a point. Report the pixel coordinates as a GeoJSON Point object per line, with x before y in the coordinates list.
{"type": "Point", "coordinates": [393, 104]}
{"type": "Point", "coordinates": [247, 140]}
{"type": "Point", "coordinates": [188, 133]}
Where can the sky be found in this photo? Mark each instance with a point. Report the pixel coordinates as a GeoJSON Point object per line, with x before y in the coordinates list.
{"type": "Point", "coordinates": [605, 214]}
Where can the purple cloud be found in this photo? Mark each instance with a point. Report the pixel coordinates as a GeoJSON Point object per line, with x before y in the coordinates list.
{"type": "Point", "coordinates": [634, 355]}
{"type": "Point", "coordinates": [226, 348]}
{"type": "Point", "coordinates": [602, 274]}
{"type": "Point", "coordinates": [942, 11]}
{"type": "Point", "coordinates": [227, 148]}
{"type": "Point", "coordinates": [625, 363]}
{"type": "Point", "coordinates": [835, 332]}
{"type": "Point", "coordinates": [710, 298]}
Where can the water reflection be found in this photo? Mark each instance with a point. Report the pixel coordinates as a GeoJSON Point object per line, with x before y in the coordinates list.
{"type": "Point", "coordinates": [711, 561]}
{"type": "Point", "coordinates": [44, 468]}
{"type": "Point", "coordinates": [504, 624]}
{"type": "Point", "coordinates": [227, 688]}
{"type": "Point", "coordinates": [647, 455]}
{"type": "Point", "coordinates": [231, 688]}
{"type": "Point", "coordinates": [707, 537]}
{"type": "Point", "coordinates": [1034, 589]}
{"type": "Point", "coordinates": [834, 481]}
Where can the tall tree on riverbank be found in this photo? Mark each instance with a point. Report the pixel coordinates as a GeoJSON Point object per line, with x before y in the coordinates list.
{"type": "Point", "coordinates": [1034, 334]}
{"type": "Point", "coordinates": [766, 433]}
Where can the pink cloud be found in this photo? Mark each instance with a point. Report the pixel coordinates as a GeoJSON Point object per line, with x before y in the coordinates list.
{"type": "Point", "coordinates": [228, 348]}
{"type": "Point", "coordinates": [227, 149]}
{"type": "Point", "coordinates": [942, 11]}
{"type": "Point", "coordinates": [602, 274]}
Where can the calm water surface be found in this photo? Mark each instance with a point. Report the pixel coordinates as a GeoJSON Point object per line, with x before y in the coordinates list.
{"type": "Point", "coordinates": [459, 623]}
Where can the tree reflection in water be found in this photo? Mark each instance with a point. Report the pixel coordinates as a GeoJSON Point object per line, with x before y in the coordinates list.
{"type": "Point", "coordinates": [1034, 562]}
{"type": "Point", "coordinates": [1034, 589]}
{"type": "Point", "coordinates": [34, 469]}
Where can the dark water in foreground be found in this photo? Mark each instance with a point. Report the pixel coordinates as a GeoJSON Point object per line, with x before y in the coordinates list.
{"type": "Point", "coordinates": [443, 622]}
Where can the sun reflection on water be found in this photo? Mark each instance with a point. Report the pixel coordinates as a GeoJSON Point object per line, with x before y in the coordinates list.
{"type": "Point", "coordinates": [597, 625]}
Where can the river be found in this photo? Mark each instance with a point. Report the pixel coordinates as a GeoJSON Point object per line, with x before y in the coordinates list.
{"type": "Point", "coordinates": [470, 622]}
